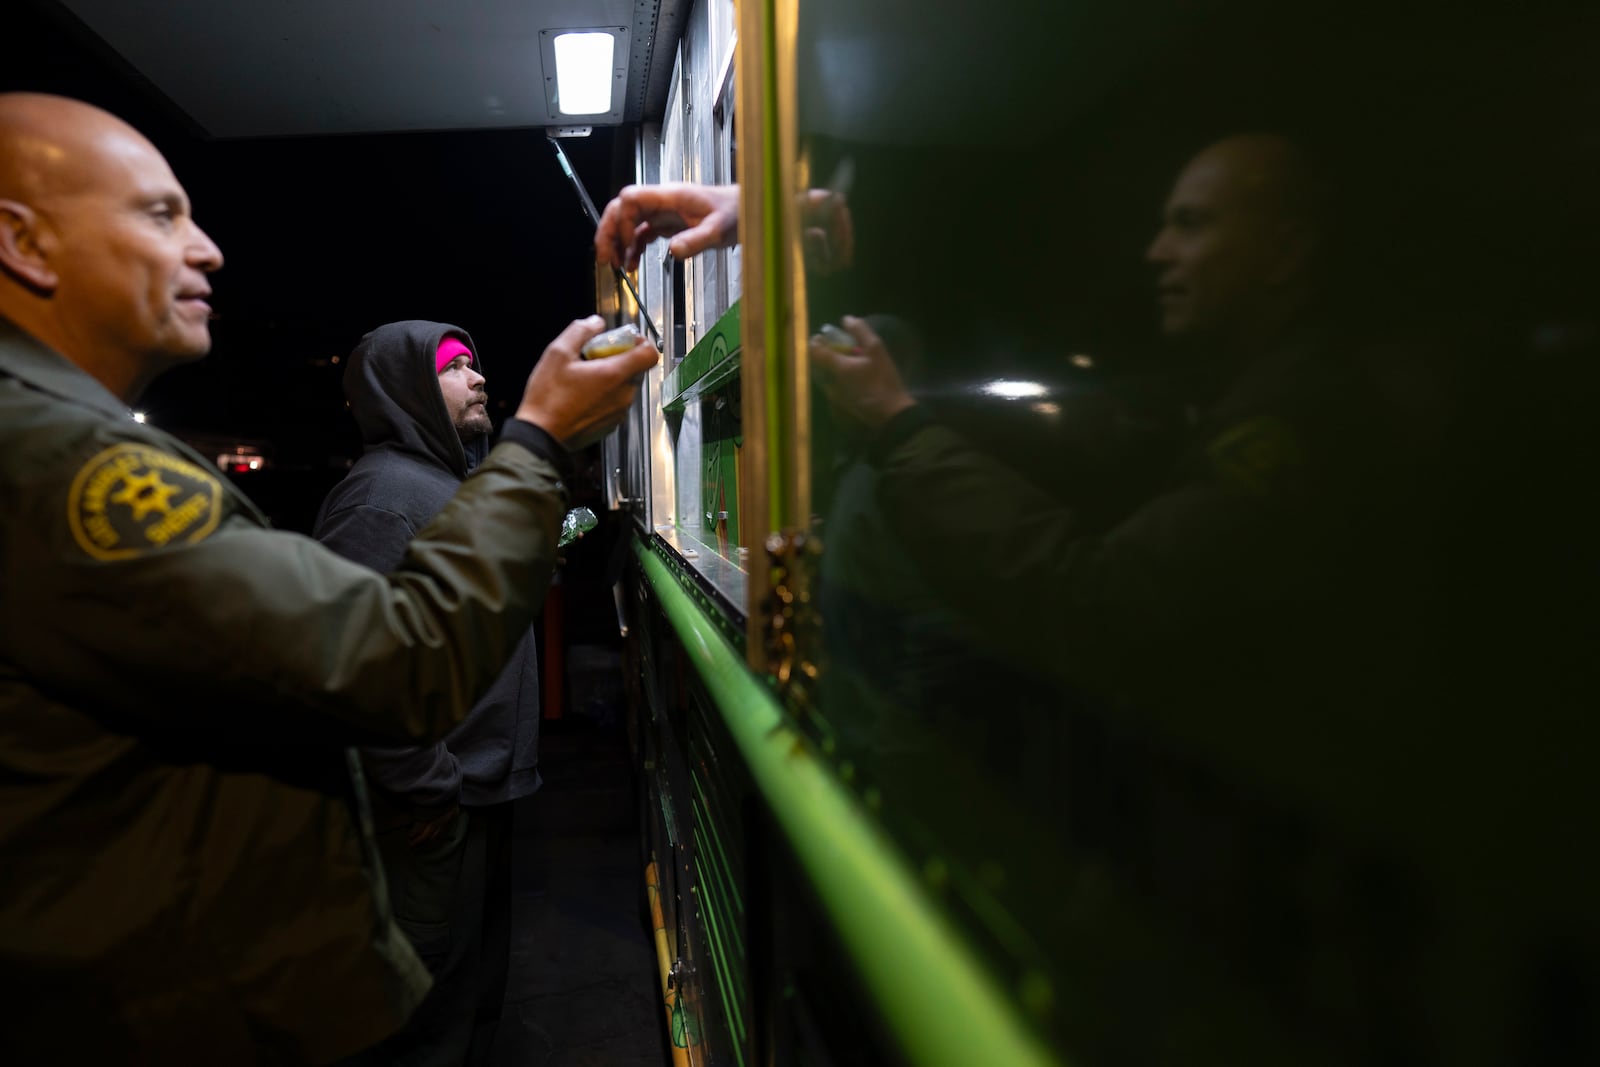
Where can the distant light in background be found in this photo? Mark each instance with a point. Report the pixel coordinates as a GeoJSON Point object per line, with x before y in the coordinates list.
{"type": "Point", "coordinates": [241, 461]}
{"type": "Point", "coordinates": [1047, 407]}
{"type": "Point", "coordinates": [1081, 361]}
{"type": "Point", "coordinates": [138, 416]}
{"type": "Point", "coordinates": [1012, 390]}
{"type": "Point", "coordinates": [583, 72]}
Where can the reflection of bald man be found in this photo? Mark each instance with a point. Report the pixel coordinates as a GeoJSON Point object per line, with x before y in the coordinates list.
{"type": "Point", "coordinates": [181, 878]}
{"type": "Point", "coordinates": [1235, 250]}
{"type": "Point", "coordinates": [1230, 549]}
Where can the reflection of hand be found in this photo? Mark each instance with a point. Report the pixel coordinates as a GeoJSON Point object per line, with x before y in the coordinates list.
{"type": "Point", "coordinates": [577, 401]}
{"type": "Point", "coordinates": [863, 384]}
{"type": "Point", "coordinates": [423, 832]}
{"type": "Point", "coordinates": [829, 234]}
{"type": "Point", "coordinates": [696, 217]}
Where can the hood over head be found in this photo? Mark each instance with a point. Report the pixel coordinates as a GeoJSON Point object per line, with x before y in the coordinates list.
{"type": "Point", "coordinates": [392, 384]}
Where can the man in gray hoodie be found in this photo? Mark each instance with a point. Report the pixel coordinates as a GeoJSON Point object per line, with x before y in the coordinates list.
{"type": "Point", "coordinates": [442, 811]}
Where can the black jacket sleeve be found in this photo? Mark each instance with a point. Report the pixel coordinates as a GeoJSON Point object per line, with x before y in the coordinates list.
{"type": "Point", "coordinates": [373, 537]}
{"type": "Point", "coordinates": [424, 782]}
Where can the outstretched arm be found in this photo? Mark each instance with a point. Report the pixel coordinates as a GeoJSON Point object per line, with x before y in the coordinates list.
{"type": "Point", "coordinates": [695, 217]}
{"type": "Point", "coordinates": [222, 624]}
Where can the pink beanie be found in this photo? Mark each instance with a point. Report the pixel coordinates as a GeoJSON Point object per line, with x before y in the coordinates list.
{"type": "Point", "coordinates": [449, 349]}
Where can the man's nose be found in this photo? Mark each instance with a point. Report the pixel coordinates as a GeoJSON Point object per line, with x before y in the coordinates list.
{"type": "Point", "coordinates": [1160, 250]}
{"type": "Point", "coordinates": [203, 252]}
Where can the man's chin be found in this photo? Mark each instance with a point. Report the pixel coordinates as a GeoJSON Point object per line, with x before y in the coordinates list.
{"type": "Point", "coordinates": [185, 350]}
{"type": "Point", "coordinates": [194, 342]}
{"type": "Point", "coordinates": [475, 428]}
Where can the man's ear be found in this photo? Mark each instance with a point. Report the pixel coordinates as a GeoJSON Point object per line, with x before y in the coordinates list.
{"type": "Point", "coordinates": [24, 247]}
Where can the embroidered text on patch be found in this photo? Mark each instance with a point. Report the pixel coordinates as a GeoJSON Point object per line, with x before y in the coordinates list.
{"type": "Point", "coordinates": [131, 498]}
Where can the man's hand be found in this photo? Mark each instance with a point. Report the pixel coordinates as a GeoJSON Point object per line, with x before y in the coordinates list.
{"type": "Point", "coordinates": [578, 401]}
{"type": "Point", "coordinates": [696, 217]}
{"type": "Point", "coordinates": [828, 234]}
{"type": "Point", "coordinates": [863, 384]}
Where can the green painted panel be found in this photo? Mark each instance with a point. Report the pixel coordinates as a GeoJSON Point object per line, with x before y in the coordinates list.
{"type": "Point", "coordinates": [942, 1006]}
{"type": "Point", "coordinates": [712, 362]}
{"type": "Point", "coordinates": [719, 475]}
{"type": "Point", "coordinates": [728, 969]}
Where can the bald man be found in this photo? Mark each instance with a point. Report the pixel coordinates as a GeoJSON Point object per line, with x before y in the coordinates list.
{"type": "Point", "coordinates": [186, 876]}
{"type": "Point", "coordinates": [1237, 244]}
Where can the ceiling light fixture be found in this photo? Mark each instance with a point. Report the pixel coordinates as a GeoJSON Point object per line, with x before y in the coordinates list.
{"type": "Point", "coordinates": [583, 72]}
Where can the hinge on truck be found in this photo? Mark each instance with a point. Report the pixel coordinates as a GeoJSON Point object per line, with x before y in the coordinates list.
{"type": "Point", "coordinates": [792, 623]}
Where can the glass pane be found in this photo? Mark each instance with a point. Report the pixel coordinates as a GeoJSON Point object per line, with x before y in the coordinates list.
{"type": "Point", "coordinates": [701, 430]}
{"type": "Point", "coordinates": [1206, 582]}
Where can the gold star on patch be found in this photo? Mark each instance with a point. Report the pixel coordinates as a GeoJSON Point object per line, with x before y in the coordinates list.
{"type": "Point", "coordinates": [144, 494]}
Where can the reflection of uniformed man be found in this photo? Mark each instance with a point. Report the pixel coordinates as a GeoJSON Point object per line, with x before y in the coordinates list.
{"type": "Point", "coordinates": [1213, 572]}
{"type": "Point", "coordinates": [181, 881]}
{"type": "Point", "coordinates": [1221, 617]}
{"type": "Point", "coordinates": [1235, 252]}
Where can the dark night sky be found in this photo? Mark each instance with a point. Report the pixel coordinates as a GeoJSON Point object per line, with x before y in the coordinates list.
{"type": "Point", "coordinates": [328, 237]}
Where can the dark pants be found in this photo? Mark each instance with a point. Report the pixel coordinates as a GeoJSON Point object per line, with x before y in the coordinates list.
{"type": "Point", "coordinates": [452, 897]}
{"type": "Point", "coordinates": [494, 960]}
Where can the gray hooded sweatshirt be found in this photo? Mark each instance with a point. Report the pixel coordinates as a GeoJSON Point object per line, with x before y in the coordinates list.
{"type": "Point", "coordinates": [412, 463]}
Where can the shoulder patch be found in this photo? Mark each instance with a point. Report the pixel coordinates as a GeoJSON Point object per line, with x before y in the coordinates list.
{"type": "Point", "coordinates": [131, 498]}
{"type": "Point", "coordinates": [1256, 456]}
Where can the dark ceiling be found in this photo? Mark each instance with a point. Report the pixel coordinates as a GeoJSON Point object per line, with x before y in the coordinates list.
{"type": "Point", "coordinates": [360, 66]}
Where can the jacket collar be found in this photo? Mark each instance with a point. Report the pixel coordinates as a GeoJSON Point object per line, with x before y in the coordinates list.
{"type": "Point", "coordinates": [23, 356]}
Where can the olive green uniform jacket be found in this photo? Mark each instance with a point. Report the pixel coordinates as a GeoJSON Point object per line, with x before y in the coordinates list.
{"type": "Point", "coordinates": [1238, 572]}
{"type": "Point", "coordinates": [183, 877]}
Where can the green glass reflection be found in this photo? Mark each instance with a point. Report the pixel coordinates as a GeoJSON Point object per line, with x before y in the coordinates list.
{"type": "Point", "coordinates": [1157, 360]}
